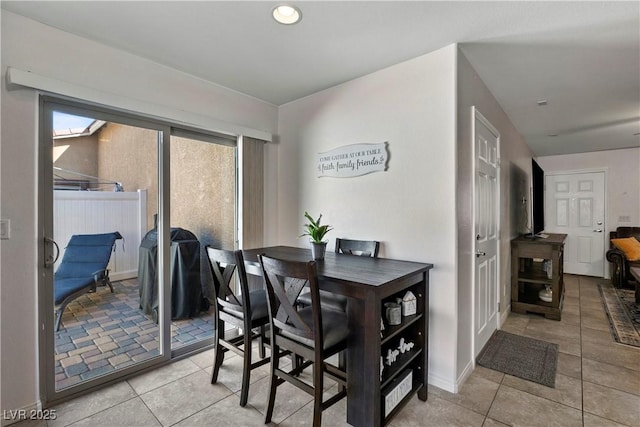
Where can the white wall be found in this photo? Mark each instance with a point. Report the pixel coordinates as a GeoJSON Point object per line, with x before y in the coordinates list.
{"type": "Point", "coordinates": [30, 46]}
{"type": "Point", "coordinates": [623, 182]}
{"type": "Point", "coordinates": [410, 208]}
{"type": "Point", "coordinates": [514, 155]}
{"type": "Point", "coordinates": [55, 54]}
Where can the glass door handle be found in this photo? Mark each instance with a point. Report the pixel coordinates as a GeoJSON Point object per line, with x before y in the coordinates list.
{"type": "Point", "coordinates": [50, 260]}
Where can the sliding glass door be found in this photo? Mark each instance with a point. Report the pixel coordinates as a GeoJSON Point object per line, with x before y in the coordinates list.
{"type": "Point", "coordinates": [203, 201]}
{"type": "Point", "coordinates": [158, 195]}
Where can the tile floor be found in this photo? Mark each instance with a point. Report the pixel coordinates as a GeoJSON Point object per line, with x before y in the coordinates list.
{"type": "Point", "coordinates": [597, 384]}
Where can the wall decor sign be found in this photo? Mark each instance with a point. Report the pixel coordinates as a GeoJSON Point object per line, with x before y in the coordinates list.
{"type": "Point", "coordinates": [353, 160]}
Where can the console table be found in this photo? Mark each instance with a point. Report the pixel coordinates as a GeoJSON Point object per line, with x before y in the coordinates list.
{"type": "Point", "coordinates": [528, 276]}
{"type": "Point", "coordinates": [369, 282]}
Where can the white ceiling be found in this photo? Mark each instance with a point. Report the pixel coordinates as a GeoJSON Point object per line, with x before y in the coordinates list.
{"type": "Point", "coordinates": [583, 58]}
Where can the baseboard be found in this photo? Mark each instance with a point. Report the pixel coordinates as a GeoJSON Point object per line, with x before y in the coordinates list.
{"type": "Point", "coordinates": [30, 412]}
{"type": "Point", "coordinates": [505, 315]}
{"type": "Point", "coordinates": [443, 383]}
{"type": "Point", "coordinates": [466, 372]}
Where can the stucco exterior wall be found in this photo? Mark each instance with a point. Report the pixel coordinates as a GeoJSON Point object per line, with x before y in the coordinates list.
{"type": "Point", "coordinates": [81, 155]}
{"type": "Point", "coordinates": [203, 191]}
{"type": "Point", "coordinates": [202, 202]}
{"type": "Point", "coordinates": [129, 155]}
{"type": "Point", "coordinates": [202, 179]}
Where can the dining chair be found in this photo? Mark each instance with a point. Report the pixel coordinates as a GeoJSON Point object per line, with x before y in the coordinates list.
{"type": "Point", "coordinates": [311, 332]}
{"type": "Point", "coordinates": [368, 248]}
{"type": "Point", "coordinates": [247, 311]}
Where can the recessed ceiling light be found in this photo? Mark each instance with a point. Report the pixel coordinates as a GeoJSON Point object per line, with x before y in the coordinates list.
{"type": "Point", "coordinates": [542, 102]}
{"type": "Point", "coordinates": [286, 14]}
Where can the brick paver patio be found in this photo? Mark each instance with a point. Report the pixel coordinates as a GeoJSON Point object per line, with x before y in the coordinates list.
{"type": "Point", "coordinates": [104, 331]}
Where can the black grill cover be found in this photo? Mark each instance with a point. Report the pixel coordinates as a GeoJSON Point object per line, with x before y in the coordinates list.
{"type": "Point", "coordinates": [186, 291]}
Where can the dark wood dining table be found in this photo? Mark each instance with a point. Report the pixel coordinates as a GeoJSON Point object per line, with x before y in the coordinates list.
{"type": "Point", "coordinates": [368, 282]}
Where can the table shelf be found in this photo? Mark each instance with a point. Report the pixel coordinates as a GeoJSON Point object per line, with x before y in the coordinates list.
{"type": "Point", "coordinates": [392, 331]}
{"type": "Point", "coordinates": [533, 273]}
{"type": "Point", "coordinates": [398, 366]}
{"type": "Point", "coordinates": [416, 386]}
{"type": "Point", "coordinates": [413, 328]}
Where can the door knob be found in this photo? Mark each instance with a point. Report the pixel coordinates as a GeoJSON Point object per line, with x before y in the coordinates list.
{"type": "Point", "coordinates": [598, 230]}
{"type": "Point", "coordinates": [480, 253]}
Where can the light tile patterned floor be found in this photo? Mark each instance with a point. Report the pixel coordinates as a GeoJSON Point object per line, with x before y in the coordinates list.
{"type": "Point", "coordinates": [598, 384]}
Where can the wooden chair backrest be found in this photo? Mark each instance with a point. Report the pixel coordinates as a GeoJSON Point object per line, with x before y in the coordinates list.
{"type": "Point", "coordinates": [223, 264]}
{"type": "Point", "coordinates": [368, 248]}
{"type": "Point", "coordinates": [284, 280]}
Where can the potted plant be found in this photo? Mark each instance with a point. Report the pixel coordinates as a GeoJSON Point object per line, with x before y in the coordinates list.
{"type": "Point", "coordinates": [316, 233]}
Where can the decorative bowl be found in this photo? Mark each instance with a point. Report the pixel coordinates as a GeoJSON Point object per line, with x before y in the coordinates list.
{"type": "Point", "coordinates": [546, 294]}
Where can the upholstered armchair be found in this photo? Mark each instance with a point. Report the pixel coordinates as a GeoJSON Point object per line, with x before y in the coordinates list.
{"type": "Point", "coordinates": [622, 257]}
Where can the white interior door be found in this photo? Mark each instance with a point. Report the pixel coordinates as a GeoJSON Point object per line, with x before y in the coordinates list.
{"type": "Point", "coordinates": [486, 139]}
{"type": "Point", "coordinates": [575, 205]}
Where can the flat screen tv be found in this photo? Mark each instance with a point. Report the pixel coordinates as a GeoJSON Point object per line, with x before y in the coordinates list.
{"type": "Point", "coordinates": [537, 199]}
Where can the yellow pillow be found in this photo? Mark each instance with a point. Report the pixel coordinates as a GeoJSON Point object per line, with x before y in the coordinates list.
{"type": "Point", "coordinates": [630, 246]}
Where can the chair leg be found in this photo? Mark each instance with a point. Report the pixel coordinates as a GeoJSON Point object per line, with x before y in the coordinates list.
{"type": "Point", "coordinates": [318, 389]}
{"type": "Point", "coordinates": [218, 352]}
{"type": "Point", "coordinates": [261, 342]}
{"type": "Point", "coordinates": [273, 382]}
{"type": "Point", "coordinates": [246, 370]}
{"type": "Point", "coordinates": [107, 282]}
{"type": "Point", "coordinates": [296, 361]}
{"type": "Point", "coordinates": [342, 364]}
{"type": "Point", "coordinates": [58, 319]}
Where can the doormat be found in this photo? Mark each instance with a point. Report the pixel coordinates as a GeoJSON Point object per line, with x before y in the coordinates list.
{"type": "Point", "coordinates": [623, 314]}
{"type": "Point", "coordinates": [523, 357]}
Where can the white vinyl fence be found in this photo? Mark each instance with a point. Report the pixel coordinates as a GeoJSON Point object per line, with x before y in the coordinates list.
{"type": "Point", "coordinates": [93, 212]}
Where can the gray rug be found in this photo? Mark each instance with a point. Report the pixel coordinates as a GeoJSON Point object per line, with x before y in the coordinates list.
{"type": "Point", "coordinates": [623, 314]}
{"type": "Point", "coordinates": [523, 357]}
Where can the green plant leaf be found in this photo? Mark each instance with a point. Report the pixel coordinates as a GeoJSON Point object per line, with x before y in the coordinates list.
{"type": "Point", "coordinates": [314, 230]}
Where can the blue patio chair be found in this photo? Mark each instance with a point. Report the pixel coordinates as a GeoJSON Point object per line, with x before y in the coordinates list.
{"type": "Point", "coordinates": [83, 267]}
